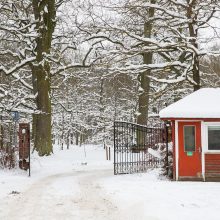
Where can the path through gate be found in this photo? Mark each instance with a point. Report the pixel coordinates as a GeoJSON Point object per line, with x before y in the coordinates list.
{"type": "Point", "coordinates": [132, 144]}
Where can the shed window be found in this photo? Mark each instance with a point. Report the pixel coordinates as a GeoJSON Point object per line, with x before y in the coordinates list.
{"type": "Point", "coordinates": [189, 138]}
{"type": "Point", "coordinates": [214, 137]}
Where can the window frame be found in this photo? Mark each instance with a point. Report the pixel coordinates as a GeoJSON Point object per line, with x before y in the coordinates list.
{"type": "Point", "coordinates": [205, 130]}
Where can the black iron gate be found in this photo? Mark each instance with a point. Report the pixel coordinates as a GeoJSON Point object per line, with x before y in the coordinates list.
{"type": "Point", "coordinates": [132, 144]}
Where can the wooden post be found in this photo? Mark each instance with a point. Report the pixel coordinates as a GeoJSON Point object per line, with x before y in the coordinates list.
{"type": "Point", "coordinates": [108, 153]}
{"type": "Point", "coordinates": [109, 150]}
{"type": "Point", "coordinates": [106, 150]}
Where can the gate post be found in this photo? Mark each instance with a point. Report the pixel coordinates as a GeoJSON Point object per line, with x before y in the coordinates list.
{"type": "Point", "coordinates": [24, 146]}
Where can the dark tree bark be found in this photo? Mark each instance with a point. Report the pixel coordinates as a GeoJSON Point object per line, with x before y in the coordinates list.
{"type": "Point", "coordinates": [193, 33]}
{"type": "Point", "coordinates": [143, 99]}
{"type": "Point", "coordinates": [41, 75]}
{"type": "Point", "coordinates": [1, 133]}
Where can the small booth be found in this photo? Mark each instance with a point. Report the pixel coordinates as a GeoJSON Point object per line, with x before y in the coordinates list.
{"type": "Point", "coordinates": [195, 122]}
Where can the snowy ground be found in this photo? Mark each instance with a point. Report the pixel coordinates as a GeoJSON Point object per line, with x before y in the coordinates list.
{"type": "Point", "coordinates": [62, 188]}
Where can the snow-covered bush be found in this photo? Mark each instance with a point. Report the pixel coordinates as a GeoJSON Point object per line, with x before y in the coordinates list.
{"type": "Point", "coordinates": [7, 158]}
{"type": "Point", "coordinates": [160, 152]}
{"type": "Point", "coordinates": [167, 169]}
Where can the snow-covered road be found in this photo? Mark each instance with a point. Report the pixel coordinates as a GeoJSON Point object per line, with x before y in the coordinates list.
{"type": "Point", "coordinates": [66, 196]}
{"type": "Point", "coordinates": [63, 187]}
{"type": "Point", "coordinates": [93, 203]}
{"type": "Point", "coordinates": [87, 201]}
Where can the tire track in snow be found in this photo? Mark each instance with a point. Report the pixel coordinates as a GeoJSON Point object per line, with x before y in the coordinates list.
{"type": "Point", "coordinates": [39, 203]}
{"type": "Point", "coordinates": [90, 202]}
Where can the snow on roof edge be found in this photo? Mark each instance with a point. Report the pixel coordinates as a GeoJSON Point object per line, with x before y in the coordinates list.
{"type": "Point", "coordinates": [204, 103]}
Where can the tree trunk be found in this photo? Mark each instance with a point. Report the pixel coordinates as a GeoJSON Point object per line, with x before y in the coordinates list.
{"type": "Point", "coordinates": [43, 139]}
{"type": "Point", "coordinates": [68, 140]}
{"type": "Point", "coordinates": [41, 75]}
{"type": "Point", "coordinates": [1, 133]}
{"type": "Point", "coordinates": [193, 33]}
{"type": "Point", "coordinates": [143, 99]}
{"type": "Point", "coordinates": [77, 138]}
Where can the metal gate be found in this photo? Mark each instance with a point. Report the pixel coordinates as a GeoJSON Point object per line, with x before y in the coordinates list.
{"type": "Point", "coordinates": [131, 147]}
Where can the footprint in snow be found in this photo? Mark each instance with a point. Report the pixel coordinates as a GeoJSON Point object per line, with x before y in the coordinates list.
{"type": "Point", "coordinates": [14, 192]}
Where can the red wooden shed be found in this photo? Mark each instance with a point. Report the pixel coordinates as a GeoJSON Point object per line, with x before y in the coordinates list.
{"type": "Point", "coordinates": [195, 123]}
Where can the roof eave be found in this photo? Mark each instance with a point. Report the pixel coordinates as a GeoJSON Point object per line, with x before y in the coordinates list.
{"type": "Point", "coordinates": [186, 118]}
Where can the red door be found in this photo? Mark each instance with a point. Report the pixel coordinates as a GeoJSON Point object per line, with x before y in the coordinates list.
{"type": "Point", "coordinates": [190, 162]}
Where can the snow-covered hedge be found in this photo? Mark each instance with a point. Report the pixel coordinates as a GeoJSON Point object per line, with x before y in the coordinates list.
{"type": "Point", "coordinates": [160, 152]}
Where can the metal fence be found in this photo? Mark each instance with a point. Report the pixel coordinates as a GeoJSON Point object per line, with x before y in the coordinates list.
{"type": "Point", "coordinates": [131, 147]}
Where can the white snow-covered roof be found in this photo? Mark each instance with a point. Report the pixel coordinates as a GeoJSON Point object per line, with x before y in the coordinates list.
{"type": "Point", "coordinates": [204, 103]}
